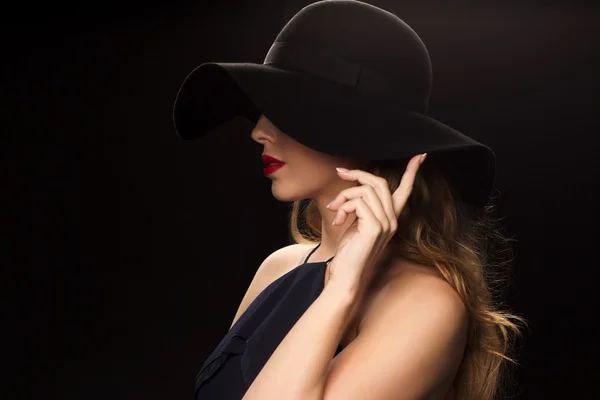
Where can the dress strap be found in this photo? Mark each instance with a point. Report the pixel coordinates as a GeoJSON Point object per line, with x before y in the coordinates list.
{"type": "Point", "coordinates": [312, 251]}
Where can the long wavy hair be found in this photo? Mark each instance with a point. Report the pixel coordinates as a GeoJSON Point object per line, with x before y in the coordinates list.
{"type": "Point", "coordinates": [466, 245]}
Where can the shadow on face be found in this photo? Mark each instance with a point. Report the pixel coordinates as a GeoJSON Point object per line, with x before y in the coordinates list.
{"type": "Point", "coordinates": [307, 173]}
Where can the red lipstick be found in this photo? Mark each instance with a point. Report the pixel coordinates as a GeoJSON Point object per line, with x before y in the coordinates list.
{"type": "Point", "coordinates": [273, 164]}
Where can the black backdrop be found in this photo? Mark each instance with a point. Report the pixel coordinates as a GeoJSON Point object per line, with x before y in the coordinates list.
{"type": "Point", "coordinates": [128, 251]}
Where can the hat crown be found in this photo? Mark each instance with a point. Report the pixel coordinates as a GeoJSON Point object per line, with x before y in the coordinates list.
{"type": "Point", "coordinates": [360, 45]}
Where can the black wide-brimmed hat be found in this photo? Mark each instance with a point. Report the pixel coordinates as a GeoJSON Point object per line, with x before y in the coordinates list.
{"type": "Point", "coordinates": [344, 78]}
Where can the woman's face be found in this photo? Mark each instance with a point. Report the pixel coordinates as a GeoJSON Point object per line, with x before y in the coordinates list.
{"type": "Point", "coordinates": [307, 173]}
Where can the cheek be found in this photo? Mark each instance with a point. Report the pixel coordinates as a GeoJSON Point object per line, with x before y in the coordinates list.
{"type": "Point", "coordinates": [313, 175]}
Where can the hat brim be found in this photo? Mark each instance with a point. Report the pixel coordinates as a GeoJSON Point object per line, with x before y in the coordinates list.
{"type": "Point", "coordinates": [309, 108]}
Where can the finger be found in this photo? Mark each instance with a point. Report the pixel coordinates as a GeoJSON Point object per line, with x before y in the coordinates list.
{"type": "Point", "coordinates": [362, 211]}
{"type": "Point", "coordinates": [382, 189]}
{"type": "Point", "coordinates": [401, 194]}
{"type": "Point", "coordinates": [370, 197]}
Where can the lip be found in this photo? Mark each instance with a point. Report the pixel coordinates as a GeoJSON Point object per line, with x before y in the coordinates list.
{"type": "Point", "coordinates": [267, 159]}
{"type": "Point", "coordinates": [275, 164]}
{"type": "Point", "coordinates": [269, 169]}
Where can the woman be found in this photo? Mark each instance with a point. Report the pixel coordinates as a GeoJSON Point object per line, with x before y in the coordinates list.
{"type": "Point", "coordinates": [385, 294]}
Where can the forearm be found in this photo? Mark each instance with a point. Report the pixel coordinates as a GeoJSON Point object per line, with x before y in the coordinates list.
{"type": "Point", "coordinates": [297, 368]}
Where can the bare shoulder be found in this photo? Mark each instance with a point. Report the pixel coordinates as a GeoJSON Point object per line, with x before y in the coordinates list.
{"type": "Point", "coordinates": [274, 265]}
{"type": "Point", "coordinates": [282, 260]}
{"type": "Point", "coordinates": [416, 322]}
{"type": "Point", "coordinates": [409, 289]}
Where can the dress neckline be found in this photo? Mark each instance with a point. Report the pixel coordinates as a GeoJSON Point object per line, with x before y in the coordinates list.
{"type": "Point", "coordinates": [316, 262]}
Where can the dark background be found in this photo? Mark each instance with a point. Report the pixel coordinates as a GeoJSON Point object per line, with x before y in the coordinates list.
{"type": "Point", "coordinates": [129, 250]}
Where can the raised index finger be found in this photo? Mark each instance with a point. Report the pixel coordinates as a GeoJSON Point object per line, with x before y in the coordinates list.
{"type": "Point", "coordinates": [400, 195]}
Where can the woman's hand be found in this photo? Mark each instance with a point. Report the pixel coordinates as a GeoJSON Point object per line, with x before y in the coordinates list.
{"type": "Point", "coordinates": [377, 212]}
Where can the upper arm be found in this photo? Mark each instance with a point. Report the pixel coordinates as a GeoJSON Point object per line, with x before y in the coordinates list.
{"type": "Point", "coordinates": [270, 269]}
{"type": "Point", "coordinates": [407, 349]}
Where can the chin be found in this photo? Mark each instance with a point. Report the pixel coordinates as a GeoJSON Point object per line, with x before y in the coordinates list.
{"type": "Point", "coordinates": [285, 197]}
{"type": "Point", "coordinates": [286, 194]}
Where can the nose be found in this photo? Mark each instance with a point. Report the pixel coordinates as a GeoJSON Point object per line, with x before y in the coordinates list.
{"type": "Point", "coordinates": [259, 134]}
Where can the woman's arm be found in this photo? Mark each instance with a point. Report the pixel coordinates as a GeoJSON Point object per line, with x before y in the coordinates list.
{"type": "Point", "coordinates": [409, 348]}
{"type": "Point", "coordinates": [298, 367]}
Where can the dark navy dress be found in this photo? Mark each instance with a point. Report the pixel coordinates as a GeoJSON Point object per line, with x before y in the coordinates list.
{"type": "Point", "coordinates": [232, 367]}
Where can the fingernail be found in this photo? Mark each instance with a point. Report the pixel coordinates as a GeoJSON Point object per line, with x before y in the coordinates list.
{"type": "Point", "coordinates": [341, 169]}
{"type": "Point", "coordinates": [423, 158]}
{"type": "Point", "coordinates": [329, 204]}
